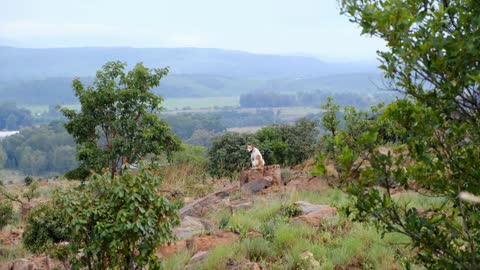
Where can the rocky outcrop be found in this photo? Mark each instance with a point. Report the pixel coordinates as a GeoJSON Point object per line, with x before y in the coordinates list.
{"type": "Point", "coordinates": [270, 173]}
{"type": "Point", "coordinates": [201, 206]}
{"type": "Point", "coordinates": [314, 214]}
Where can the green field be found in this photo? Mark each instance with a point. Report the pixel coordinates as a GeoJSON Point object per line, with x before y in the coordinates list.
{"type": "Point", "coordinates": [169, 104]}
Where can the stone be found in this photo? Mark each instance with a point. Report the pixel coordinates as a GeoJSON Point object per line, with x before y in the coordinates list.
{"type": "Point", "coordinates": [189, 227]}
{"type": "Point", "coordinates": [272, 173]}
{"type": "Point", "coordinates": [197, 243]}
{"type": "Point", "coordinates": [201, 206]}
{"type": "Point", "coordinates": [23, 264]}
{"type": "Point", "coordinates": [255, 186]}
{"type": "Point", "coordinates": [314, 214]}
{"type": "Point", "coordinates": [197, 258]}
{"type": "Point", "coordinates": [307, 183]}
{"type": "Point", "coordinates": [251, 266]}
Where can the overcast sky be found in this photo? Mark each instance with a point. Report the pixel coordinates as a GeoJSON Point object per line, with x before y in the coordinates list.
{"type": "Point", "coordinates": [302, 27]}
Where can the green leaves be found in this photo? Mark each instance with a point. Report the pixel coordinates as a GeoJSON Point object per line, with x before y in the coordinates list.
{"type": "Point", "coordinates": [111, 219]}
{"type": "Point", "coordinates": [118, 120]}
{"type": "Point", "coordinates": [431, 58]}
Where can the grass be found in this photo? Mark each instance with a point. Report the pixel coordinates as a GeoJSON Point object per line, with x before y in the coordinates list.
{"type": "Point", "coordinates": [337, 242]}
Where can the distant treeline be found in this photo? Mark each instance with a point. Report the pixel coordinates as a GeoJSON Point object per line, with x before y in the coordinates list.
{"type": "Point", "coordinates": [40, 150]}
{"type": "Point", "coordinates": [13, 118]}
{"type": "Point", "coordinates": [271, 99]}
{"type": "Point", "coordinates": [199, 128]}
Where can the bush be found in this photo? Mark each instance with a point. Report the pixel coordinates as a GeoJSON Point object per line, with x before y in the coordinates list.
{"type": "Point", "coordinates": [44, 227]}
{"type": "Point", "coordinates": [279, 144]}
{"type": "Point", "coordinates": [120, 221]}
{"type": "Point", "coordinates": [6, 213]}
{"type": "Point", "coordinates": [28, 180]}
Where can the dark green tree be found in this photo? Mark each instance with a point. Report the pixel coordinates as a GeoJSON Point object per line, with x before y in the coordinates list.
{"type": "Point", "coordinates": [118, 121]}
{"type": "Point", "coordinates": [432, 56]}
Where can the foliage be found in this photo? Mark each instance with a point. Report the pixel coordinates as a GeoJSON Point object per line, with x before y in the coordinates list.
{"type": "Point", "coordinates": [28, 180]}
{"type": "Point", "coordinates": [228, 153]}
{"type": "Point", "coordinates": [28, 193]}
{"type": "Point", "coordinates": [432, 57]}
{"type": "Point", "coordinates": [279, 144]}
{"type": "Point", "coordinates": [118, 121]}
{"type": "Point", "coordinates": [13, 118]}
{"type": "Point", "coordinates": [185, 124]}
{"type": "Point", "coordinates": [6, 213]}
{"type": "Point", "coordinates": [44, 228]}
{"type": "Point", "coordinates": [3, 157]}
{"type": "Point", "coordinates": [290, 211]}
{"type": "Point", "coordinates": [118, 222]}
{"type": "Point", "coordinates": [40, 150]}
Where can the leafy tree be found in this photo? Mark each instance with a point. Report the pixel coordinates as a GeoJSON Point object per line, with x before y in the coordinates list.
{"type": "Point", "coordinates": [12, 117]}
{"type": "Point", "coordinates": [117, 223]}
{"type": "Point", "coordinates": [432, 57]}
{"type": "Point", "coordinates": [118, 121]}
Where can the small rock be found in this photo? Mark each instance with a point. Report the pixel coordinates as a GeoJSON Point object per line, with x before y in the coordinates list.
{"type": "Point", "coordinates": [307, 207]}
{"type": "Point", "coordinates": [252, 266]}
{"type": "Point", "coordinates": [198, 257]}
{"type": "Point", "coordinates": [189, 226]}
{"type": "Point", "coordinates": [255, 186]}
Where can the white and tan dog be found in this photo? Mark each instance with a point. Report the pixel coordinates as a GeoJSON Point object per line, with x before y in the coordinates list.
{"type": "Point", "coordinates": [256, 157]}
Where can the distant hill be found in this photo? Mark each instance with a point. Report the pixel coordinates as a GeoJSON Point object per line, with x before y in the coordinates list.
{"type": "Point", "coordinates": [29, 64]}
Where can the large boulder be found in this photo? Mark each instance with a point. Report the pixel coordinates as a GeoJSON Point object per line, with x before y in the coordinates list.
{"type": "Point", "coordinates": [314, 214]}
{"type": "Point", "coordinates": [271, 173]}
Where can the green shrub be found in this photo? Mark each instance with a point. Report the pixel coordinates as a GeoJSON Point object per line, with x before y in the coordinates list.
{"type": "Point", "coordinates": [120, 221]}
{"type": "Point", "coordinates": [6, 213]}
{"type": "Point", "coordinates": [28, 180]}
{"type": "Point", "coordinates": [291, 210]}
{"type": "Point", "coordinates": [44, 227]}
{"type": "Point", "coordinates": [257, 249]}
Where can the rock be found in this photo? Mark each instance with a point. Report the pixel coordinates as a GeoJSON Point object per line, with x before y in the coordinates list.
{"type": "Point", "coordinates": [197, 243]}
{"type": "Point", "coordinates": [197, 258]}
{"type": "Point", "coordinates": [271, 173]}
{"type": "Point", "coordinates": [307, 183]}
{"type": "Point", "coordinates": [314, 214]}
{"type": "Point", "coordinates": [189, 227]}
{"type": "Point", "coordinates": [23, 264]}
{"type": "Point", "coordinates": [27, 207]}
{"type": "Point", "coordinates": [6, 266]}
{"type": "Point", "coordinates": [201, 206]}
{"type": "Point", "coordinates": [255, 186]}
{"type": "Point", "coordinates": [309, 260]}
{"type": "Point", "coordinates": [240, 204]}
{"type": "Point", "coordinates": [275, 172]}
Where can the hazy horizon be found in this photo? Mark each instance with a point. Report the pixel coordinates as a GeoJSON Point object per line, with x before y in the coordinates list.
{"type": "Point", "coordinates": [308, 28]}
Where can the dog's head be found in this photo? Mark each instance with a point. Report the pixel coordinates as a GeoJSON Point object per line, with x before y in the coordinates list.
{"type": "Point", "coordinates": [250, 148]}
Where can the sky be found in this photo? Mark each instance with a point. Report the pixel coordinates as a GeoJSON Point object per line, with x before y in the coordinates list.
{"type": "Point", "coordinates": [302, 27]}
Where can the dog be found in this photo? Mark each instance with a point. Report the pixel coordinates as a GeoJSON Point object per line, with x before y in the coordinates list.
{"type": "Point", "coordinates": [256, 157]}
